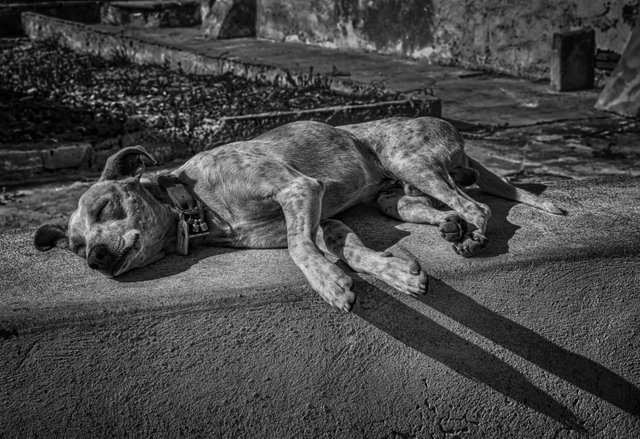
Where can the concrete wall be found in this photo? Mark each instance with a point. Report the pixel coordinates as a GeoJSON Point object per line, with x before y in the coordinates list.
{"type": "Point", "coordinates": [500, 35]}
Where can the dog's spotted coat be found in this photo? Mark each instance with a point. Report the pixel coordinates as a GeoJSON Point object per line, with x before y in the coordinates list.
{"type": "Point", "coordinates": [282, 189]}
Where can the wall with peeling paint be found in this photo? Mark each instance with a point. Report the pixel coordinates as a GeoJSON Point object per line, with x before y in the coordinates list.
{"type": "Point", "coordinates": [489, 34]}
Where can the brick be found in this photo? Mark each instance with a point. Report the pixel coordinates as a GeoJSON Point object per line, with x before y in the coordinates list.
{"type": "Point", "coordinates": [68, 156]}
{"type": "Point", "coordinates": [15, 165]}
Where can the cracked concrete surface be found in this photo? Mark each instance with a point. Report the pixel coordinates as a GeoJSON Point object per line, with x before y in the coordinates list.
{"type": "Point", "coordinates": [537, 337]}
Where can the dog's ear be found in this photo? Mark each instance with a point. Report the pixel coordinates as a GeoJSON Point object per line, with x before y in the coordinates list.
{"type": "Point", "coordinates": [49, 236]}
{"type": "Point", "coordinates": [126, 163]}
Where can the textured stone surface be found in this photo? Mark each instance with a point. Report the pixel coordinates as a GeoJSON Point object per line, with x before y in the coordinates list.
{"type": "Point", "coordinates": [621, 94]}
{"type": "Point", "coordinates": [17, 164]}
{"type": "Point", "coordinates": [502, 36]}
{"type": "Point", "coordinates": [67, 156]}
{"type": "Point", "coordinates": [538, 337]}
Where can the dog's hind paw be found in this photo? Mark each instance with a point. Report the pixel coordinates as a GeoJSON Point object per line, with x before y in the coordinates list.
{"type": "Point", "coordinates": [471, 246]}
{"type": "Point", "coordinates": [453, 228]}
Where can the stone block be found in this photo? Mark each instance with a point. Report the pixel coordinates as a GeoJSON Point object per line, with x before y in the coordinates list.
{"type": "Point", "coordinates": [67, 156]}
{"type": "Point", "coordinates": [18, 165]}
{"type": "Point", "coordinates": [572, 60]}
{"type": "Point", "coordinates": [152, 13]}
{"type": "Point", "coordinates": [228, 18]}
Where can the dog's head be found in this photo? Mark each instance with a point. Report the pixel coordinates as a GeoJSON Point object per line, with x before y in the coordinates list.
{"type": "Point", "coordinates": [118, 224]}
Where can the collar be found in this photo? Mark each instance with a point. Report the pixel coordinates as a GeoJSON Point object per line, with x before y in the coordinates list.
{"type": "Point", "coordinates": [191, 227]}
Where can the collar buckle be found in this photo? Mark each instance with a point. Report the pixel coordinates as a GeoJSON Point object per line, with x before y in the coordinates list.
{"type": "Point", "coordinates": [191, 228]}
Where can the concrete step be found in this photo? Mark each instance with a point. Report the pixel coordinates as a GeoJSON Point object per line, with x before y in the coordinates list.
{"type": "Point", "coordinates": [152, 13]}
{"type": "Point", "coordinates": [536, 337]}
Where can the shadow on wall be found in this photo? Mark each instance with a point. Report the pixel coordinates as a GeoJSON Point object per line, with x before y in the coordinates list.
{"type": "Point", "coordinates": [439, 343]}
{"type": "Point", "coordinates": [416, 17]}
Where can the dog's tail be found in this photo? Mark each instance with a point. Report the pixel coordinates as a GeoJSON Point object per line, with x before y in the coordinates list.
{"type": "Point", "coordinates": [491, 183]}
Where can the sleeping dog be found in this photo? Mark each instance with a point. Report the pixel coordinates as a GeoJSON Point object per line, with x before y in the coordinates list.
{"type": "Point", "coordinates": [281, 189]}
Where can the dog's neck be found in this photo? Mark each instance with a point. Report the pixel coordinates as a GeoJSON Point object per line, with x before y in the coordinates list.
{"type": "Point", "coordinates": [217, 229]}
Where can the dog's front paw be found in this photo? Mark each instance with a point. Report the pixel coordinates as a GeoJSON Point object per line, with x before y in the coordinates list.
{"type": "Point", "coordinates": [453, 228]}
{"type": "Point", "coordinates": [334, 286]}
{"type": "Point", "coordinates": [403, 275]}
{"type": "Point", "coordinates": [471, 244]}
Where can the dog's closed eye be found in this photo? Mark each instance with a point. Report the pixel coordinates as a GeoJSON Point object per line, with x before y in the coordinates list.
{"type": "Point", "coordinates": [97, 210]}
{"type": "Point", "coordinates": [108, 210]}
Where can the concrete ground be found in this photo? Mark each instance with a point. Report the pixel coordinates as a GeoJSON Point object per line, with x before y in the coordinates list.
{"type": "Point", "coordinates": [537, 337]}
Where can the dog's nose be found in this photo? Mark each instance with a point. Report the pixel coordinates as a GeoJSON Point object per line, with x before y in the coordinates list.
{"type": "Point", "coordinates": [100, 257]}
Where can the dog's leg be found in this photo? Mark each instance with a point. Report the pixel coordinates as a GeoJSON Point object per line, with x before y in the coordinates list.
{"type": "Point", "coordinates": [438, 184]}
{"type": "Point", "coordinates": [443, 188]}
{"type": "Point", "coordinates": [337, 239]}
{"type": "Point", "coordinates": [301, 202]}
{"type": "Point", "coordinates": [409, 205]}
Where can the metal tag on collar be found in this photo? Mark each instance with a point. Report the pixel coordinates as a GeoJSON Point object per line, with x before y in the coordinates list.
{"type": "Point", "coordinates": [182, 240]}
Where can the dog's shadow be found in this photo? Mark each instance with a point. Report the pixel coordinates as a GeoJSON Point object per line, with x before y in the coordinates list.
{"type": "Point", "coordinates": [173, 264]}
{"type": "Point", "coordinates": [415, 330]}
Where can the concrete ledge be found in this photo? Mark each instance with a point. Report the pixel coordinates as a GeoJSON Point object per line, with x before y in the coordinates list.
{"type": "Point", "coordinates": [107, 41]}
{"type": "Point", "coordinates": [538, 337]}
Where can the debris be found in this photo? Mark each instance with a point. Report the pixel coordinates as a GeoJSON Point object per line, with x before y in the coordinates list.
{"type": "Point", "coordinates": [7, 197]}
{"type": "Point", "coordinates": [336, 72]}
{"type": "Point", "coordinates": [49, 93]}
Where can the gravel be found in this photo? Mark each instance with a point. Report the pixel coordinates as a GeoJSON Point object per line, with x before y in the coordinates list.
{"type": "Point", "coordinates": [52, 94]}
